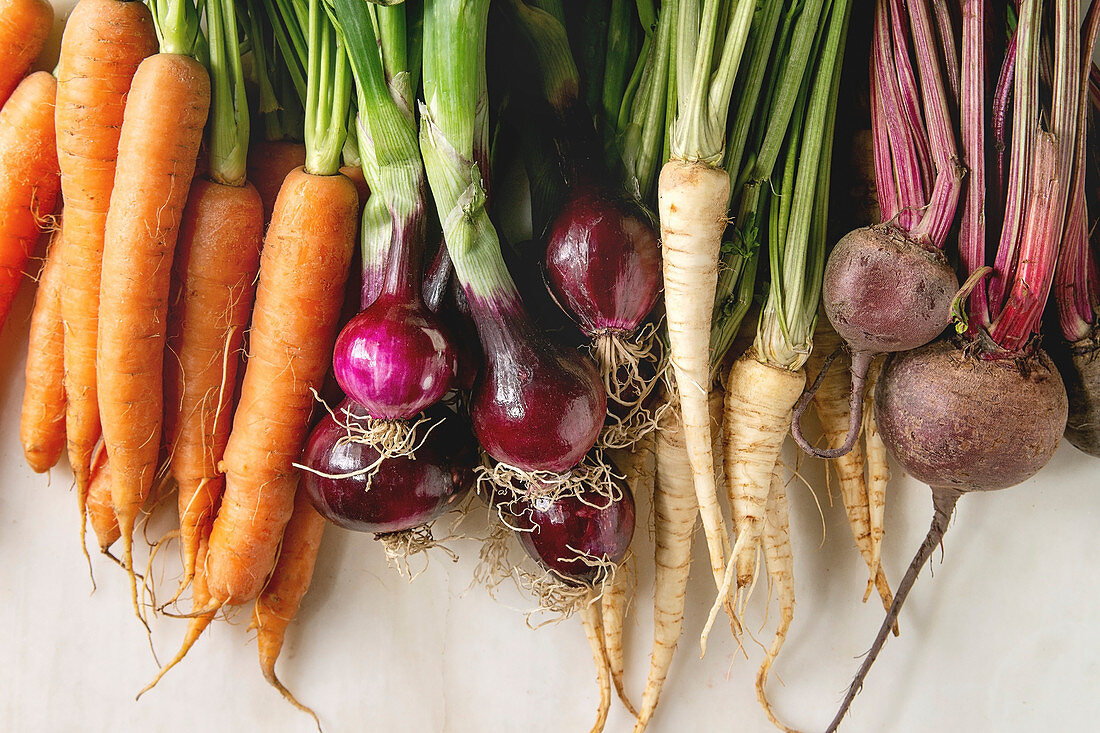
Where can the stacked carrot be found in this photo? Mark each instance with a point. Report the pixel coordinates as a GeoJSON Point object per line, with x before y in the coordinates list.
{"type": "Point", "coordinates": [146, 295]}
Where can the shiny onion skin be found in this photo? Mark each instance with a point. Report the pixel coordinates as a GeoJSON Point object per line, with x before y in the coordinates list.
{"type": "Point", "coordinates": [560, 532]}
{"type": "Point", "coordinates": [404, 492]}
{"type": "Point", "coordinates": [603, 261]}
{"type": "Point", "coordinates": [535, 405]}
{"type": "Point", "coordinates": [395, 358]}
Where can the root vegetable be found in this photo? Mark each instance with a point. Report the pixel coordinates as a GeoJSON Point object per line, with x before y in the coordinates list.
{"type": "Point", "coordinates": [103, 43]}
{"type": "Point", "coordinates": [154, 169]}
{"type": "Point", "coordinates": [42, 419]}
{"type": "Point", "coordinates": [28, 170]}
{"type": "Point", "coordinates": [216, 262]}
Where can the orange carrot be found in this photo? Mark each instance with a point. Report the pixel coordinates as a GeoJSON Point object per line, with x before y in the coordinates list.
{"type": "Point", "coordinates": [305, 260]}
{"type": "Point", "coordinates": [269, 162]}
{"type": "Point", "coordinates": [161, 130]}
{"type": "Point", "coordinates": [103, 43]}
{"type": "Point", "coordinates": [29, 181]}
{"type": "Point", "coordinates": [24, 27]}
{"type": "Point", "coordinates": [216, 261]}
{"type": "Point", "coordinates": [42, 421]}
{"type": "Point", "coordinates": [101, 512]}
{"type": "Point", "coordinates": [278, 604]}
{"type": "Point", "coordinates": [200, 619]}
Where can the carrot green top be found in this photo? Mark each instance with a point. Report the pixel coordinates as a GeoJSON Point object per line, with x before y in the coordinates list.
{"type": "Point", "coordinates": [229, 123]}
{"type": "Point", "coordinates": [328, 93]}
{"type": "Point", "coordinates": [177, 25]}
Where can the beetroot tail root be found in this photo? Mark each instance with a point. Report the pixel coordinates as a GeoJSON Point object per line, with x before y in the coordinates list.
{"type": "Point", "coordinates": [943, 501]}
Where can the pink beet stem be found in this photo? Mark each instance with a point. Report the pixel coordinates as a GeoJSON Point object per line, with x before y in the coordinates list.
{"type": "Point", "coordinates": [909, 92]}
{"type": "Point", "coordinates": [972, 229]}
{"type": "Point", "coordinates": [1025, 115]}
{"type": "Point", "coordinates": [940, 213]}
{"type": "Point", "coordinates": [1051, 172]}
{"type": "Point", "coordinates": [1076, 264]}
{"type": "Point", "coordinates": [1001, 96]}
{"type": "Point", "coordinates": [906, 166]}
{"type": "Point", "coordinates": [884, 163]}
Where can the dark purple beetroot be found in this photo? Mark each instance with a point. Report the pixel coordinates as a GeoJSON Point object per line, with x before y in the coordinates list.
{"type": "Point", "coordinates": [883, 293]}
{"type": "Point", "coordinates": [404, 492]}
{"type": "Point", "coordinates": [961, 423]}
{"type": "Point", "coordinates": [564, 530]}
{"type": "Point", "coordinates": [395, 358]}
{"type": "Point", "coordinates": [535, 406]}
{"type": "Point", "coordinates": [1079, 364]}
{"type": "Point", "coordinates": [955, 420]}
{"type": "Point", "coordinates": [603, 261]}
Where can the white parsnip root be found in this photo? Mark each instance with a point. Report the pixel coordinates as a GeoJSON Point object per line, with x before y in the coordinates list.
{"type": "Point", "coordinates": [759, 398]}
{"type": "Point", "coordinates": [637, 467]}
{"type": "Point", "coordinates": [780, 563]}
{"type": "Point", "coordinates": [692, 199]}
{"type": "Point", "coordinates": [674, 509]}
{"type": "Point", "coordinates": [831, 402]}
{"type": "Point", "coordinates": [878, 469]}
{"type": "Point", "coordinates": [590, 617]}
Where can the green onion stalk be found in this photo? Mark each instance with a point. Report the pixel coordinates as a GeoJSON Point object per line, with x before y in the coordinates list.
{"type": "Point", "coordinates": [395, 358]}
{"type": "Point", "coordinates": [385, 127]}
{"type": "Point", "coordinates": [537, 408]}
{"type": "Point", "coordinates": [601, 257]}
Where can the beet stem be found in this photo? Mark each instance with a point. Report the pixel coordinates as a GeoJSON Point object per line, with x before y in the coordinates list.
{"type": "Point", "coordinates": [943, 501]}
{"type": "Point", "coordinates": [861, 363]}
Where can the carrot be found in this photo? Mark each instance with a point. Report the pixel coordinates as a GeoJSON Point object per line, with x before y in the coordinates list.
{"type": "Point", "coordinates": [202, 613]}
{"type": "Point", "coordinates": [278, 604]}
{"type": "Point", "coordinates": [269, 162]}
{"type": "Point", "coordinates": [590, 617]}
{"type": "Point", "coordinates": [29, 181]}
{"type": "Point", "coordinates": [103, 43]}
{"type": "Point", "coordinates": [305, 260]}
{"type": "Point", "coordinates": [24, 27]}
{"type": "Point", "coordinates": [42, 420]}
{"type": "Point", "coordinates": [692, 203]}
{"type": "Point", "coordinates": [161, 131]}
{"type": "Point", "coordinates": [101, 512]}
{"type": "Point", "coordinates": [215, 266]}
{"type": "Point", "coordinates": [674, 509]}
{"type": "Point", "coordinates": [355, 173]}
{"type": "Point", "coordinates": [780, 564]}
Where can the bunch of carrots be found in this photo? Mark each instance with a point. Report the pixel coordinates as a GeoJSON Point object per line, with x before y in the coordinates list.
{"type": "Point", "coordinates": [220, 185]}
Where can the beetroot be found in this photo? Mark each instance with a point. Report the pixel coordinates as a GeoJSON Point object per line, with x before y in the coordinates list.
{"type": "Point", "coordinates": [957, 421]}
{"type": "Point", "coordinates": [961, 423]}
{"type": "Point", "coordinates": [402, 492]}
{"type": "Point", "coordinates": [883, 293]}
{"type": "Point", "coordinates": [1079, 364]}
